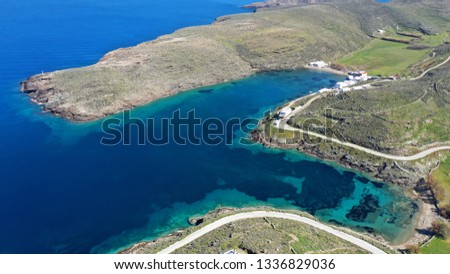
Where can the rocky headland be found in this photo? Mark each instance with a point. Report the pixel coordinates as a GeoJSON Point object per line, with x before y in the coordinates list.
{"type": "Point", "coordinates": [231, 48]}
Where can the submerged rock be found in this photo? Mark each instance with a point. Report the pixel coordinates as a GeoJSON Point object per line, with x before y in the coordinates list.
{"type": "Point", "coordinates": [368, 204]}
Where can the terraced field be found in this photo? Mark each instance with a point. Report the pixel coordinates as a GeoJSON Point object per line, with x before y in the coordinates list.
{"type": "Point", "coordinates": [387, 58]}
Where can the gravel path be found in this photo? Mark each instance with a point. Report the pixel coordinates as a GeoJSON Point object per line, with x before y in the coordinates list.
{"type": "Point", "coordinates": [414, 157]}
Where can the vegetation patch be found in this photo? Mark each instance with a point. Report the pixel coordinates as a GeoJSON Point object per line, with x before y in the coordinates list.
{"type": "Point", "coordinates": [436, 246]}
{"type": "Point", "coordinates": [384, 58]}
{"type": "Point", "coordinates": [264, 235]}
{"type": "Point", "coordinates": [269, 236]}
{"type": "Point", "coordinates": [441, 177]}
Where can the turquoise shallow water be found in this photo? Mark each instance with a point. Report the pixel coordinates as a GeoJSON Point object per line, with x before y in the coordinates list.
{"type": "Point", "coordinates": [63, 192]}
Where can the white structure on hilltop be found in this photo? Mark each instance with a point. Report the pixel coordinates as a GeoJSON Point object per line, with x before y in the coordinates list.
{"type": "Point", "coordinates": [284, 112]}
{"type": "Point", "coordinates": [318, 64]}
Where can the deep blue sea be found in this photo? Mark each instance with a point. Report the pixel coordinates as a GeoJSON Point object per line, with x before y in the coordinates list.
{"type": "Point", "coordinates": [63, 192]}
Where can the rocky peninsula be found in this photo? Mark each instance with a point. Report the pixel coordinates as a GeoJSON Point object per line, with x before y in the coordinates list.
{"type": "Point", "coordinates": [231, 48]}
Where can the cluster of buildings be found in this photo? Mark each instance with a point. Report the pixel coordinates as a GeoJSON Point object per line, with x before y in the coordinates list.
{"type": "Point", "coordinates": [353, 78]}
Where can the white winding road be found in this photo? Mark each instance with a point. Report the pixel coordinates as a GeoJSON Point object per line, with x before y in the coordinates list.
{"type": "Point", "coordinates": [414, 157]}
{"type": "Point", "coordinates": [266, 214]}
{"type": "Point", "coordinates": [430, 69]}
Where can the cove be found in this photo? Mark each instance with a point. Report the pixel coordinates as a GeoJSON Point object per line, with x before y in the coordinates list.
{"type": "Point", "coordinates": [196, 179]}
{"type": "Point", "coordinates": [86, 197]}
{"type": "Point", "coordinates": [63, 192]}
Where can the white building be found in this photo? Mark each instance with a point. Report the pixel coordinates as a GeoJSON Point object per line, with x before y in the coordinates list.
{"type": "Point", "coordinates": [318, 64]}
{"type": "Point", "coordinates": [345, 84]}
{"type": "Point", "coordinates": [284, 112]}
{"type": "Point", "coordinates": [325, 90]}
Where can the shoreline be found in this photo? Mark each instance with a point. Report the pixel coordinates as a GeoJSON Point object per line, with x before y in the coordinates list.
{"type": "Point", "coordinates": [424, 216]}
{"type": "Point", "coordinates": [326, 69]}
{"type": "Point", "coordinates": [27, 87]}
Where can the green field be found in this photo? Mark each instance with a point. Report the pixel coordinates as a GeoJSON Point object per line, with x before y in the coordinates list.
{"type": "Point", "coordinates": [384, 58]}
{"type": "Point", "coordinates": [436, 246]}
{"type": "Point", "coordinates": [442, 177]}
{"type": "Point", "coordinates": [278, 133]}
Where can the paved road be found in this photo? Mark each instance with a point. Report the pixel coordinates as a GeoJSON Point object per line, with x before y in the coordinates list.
{"type": "Point", "coordinates": [298, 109]}
{"type": "Point", "coordinates": [261, 214]}
{"type": "Point", "coordinates": [415, 157]}
{"type": "Point", "coordinates": [430, 69]}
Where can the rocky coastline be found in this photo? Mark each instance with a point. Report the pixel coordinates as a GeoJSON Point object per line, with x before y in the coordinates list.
{"type": "Point", "coordinates": [414, 180]}
{"type": "Point", "coordinates": [232, 48]}
{"type": "Point", "coordinates": [386, 171]}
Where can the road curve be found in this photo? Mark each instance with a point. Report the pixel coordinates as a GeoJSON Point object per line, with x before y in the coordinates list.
{"type": "Point", "coordinates": [298, 109]}
{"type": "Point", "coordinates": [280, 215]}
{"type": "Point", "coordinates": [414, 157]}
{"type": "Point", "coordinates": [430, 69]}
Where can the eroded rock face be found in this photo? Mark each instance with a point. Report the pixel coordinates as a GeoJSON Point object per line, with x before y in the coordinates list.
{"type": "Point", "coordinates": [42, 91]}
